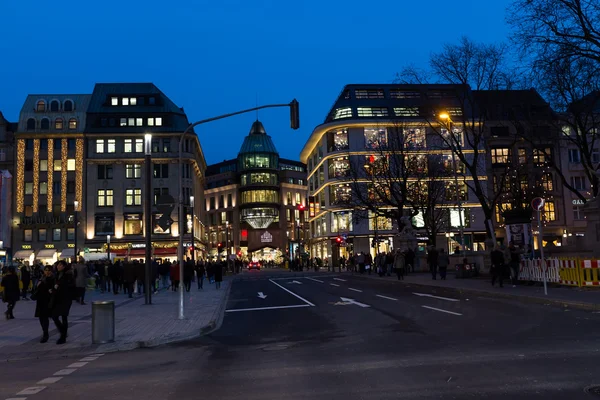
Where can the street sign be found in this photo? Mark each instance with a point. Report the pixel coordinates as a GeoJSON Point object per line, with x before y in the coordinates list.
{"type": "Point", "coordinates": [538, 203]}
{"type": "Point", "coordinates": [86, 250]}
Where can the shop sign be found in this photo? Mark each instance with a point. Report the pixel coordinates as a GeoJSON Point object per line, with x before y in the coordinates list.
{"type": "Point", "coordinates": [266, 238]}
{"type": "Point", "coordinates": [49, 246]}
{"type": "Point", "coordinates": [71, 245]}
{"type": "Point", "coordinates": [578, 202]}
{"type": "Point", "coordinates": [26, 247]}
{"type": "Point", "coordinates": [138, 245]}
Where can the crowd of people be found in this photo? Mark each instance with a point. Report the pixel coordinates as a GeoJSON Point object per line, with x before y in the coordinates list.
{"type": "Point", "coordinates": [55, 287]}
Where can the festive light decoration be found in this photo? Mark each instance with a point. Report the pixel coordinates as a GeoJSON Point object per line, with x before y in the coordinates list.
{"type": "Point", "coordinates": [36, 173]}
{"type": "Point", "coordinates": [64, 155]}
{"type": "Point", "coordinates": [79, 171]}
{"type": "Point", "coordinates": [20, 174]}
{"type": "Point", "coordinates": [50, 172]}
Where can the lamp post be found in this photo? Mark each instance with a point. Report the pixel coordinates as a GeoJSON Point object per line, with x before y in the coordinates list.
{"type": "Point", "coordinates": [147, 218]}
{"type": "Point", "coordinates": [193, 236]}
{"type": "Point", "coordinates": [108, 247]}
{"type": "Point", "coordinates": [75, 252]}
{"type": "Point", "coordinates": [446, 117]}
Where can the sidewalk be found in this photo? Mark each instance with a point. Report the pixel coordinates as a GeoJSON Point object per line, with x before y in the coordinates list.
{"type": "Point", "coordinates": [137, 324]}
{"type": "Point", "coordinates": [564, 296]}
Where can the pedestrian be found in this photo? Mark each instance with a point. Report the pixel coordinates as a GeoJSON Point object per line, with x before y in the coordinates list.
{"type": "Point", "coordinates": [164, 270]}
{"type": "Point", "coordinates": [42, 296]}
{"type": "Point", "coordinates": [25, 279]}
{"type": "Point", "coordinates": [140, 274]}
{"type": "Point", "coordinates": [432, 260]}
{"type": "Point", "coordinates": [443, 262]}
{"type": "Point", "coordinates": [218, 274]}
{"type": "Point", "coordinates": [200, 271]}
{"type": "Point", "coordinates": [515, 261]}
{"type": "Point", "coordinates": [399, 264]}
{"type": "Point", "coordinates": [175, 275]}
{"type": "Point", "coordinates": [188, 274]}
{"type": "Point", "coordinates": [10, 294]}
{"type": "Point", "coordinates": [80, 272]}
{"type": "Point", "coordinates": [409, 259]}
{"type": "Point", "coordinates": [62, 297]}
{"type": "Point", "coordinates": [498, 266]}
{"type": "Point", "coordinates": [128, 278]}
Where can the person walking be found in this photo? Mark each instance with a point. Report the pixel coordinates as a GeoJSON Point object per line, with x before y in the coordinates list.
{"type": "Point", "coordinates": [10, 294]}
{"type": "Point", "coordinates": [409, 260]}
{"type": "Point", "coordinates": [443, 262]}
{"type": "Point", "coordinates": [140, 274]}
{"type": "Point", "coordinates": [43, 296]}
{"type": "Point", "coordinates": [218, 274]}
{"type": "Point", "coordinates": [80, 271]}
{"type": "Point", "coordinates": [128, 278]}
{"type": "Point", "coordinates": [432, 260]}
{"type": "Point", "coordinates": [200, 271]}
{"type": "Point", "coordinates": [515, 261]}
{"type": "Point", "coordinates": [498, 266]}
{"type": "Point", "coordinates": [25, 280]}
{"type": "Point", "coordinates": [163, 270]}
{"type": "Point", "coordinates": [188, 274]}
{"type": "Point", "coordinates": [64, 286]}
{"type": "Point", "coordinates": [399, 264]}
{"type": "Point", "coordinates": [175, 276]}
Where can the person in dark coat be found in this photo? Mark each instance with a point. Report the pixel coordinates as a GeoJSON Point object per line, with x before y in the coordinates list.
{"type": "Point", "coordinates": [128, 278]}
{"type": "Point", "coordinates": [432, 260]}
{"type": "Point", "coordinates": [10, 295]}
{"type": "Point", "coordinates": [63, 294]}
{"type": "Point", "coordinates": [498, 266]}
{"type": "Point", "coordinates": [26, 280]}
{"type": "Point", "coordinates": [200, 273]}
{"type": "Point", "coordinates": [175, 276]}
{"type": "Point", "coordinates": [188, 274]}
{"type": "Point", "coordinates": [219, 273]}
{"type": "Point", "coordinates": [43, 296]}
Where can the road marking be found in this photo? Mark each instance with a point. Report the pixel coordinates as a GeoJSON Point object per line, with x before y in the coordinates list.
{"type": "Point", "coordinates": [67, 371]}
{"type": "Point", "coordinates": [96, 355]}
{"type": "Point", "coordinates": [339, 279]}
{"type": "Point", "coordinates": [385, 297]}
{"type": "Point", "coordinates": [88, 359]}
{"type": "Point", "coordinates": [296, 282]}
{"type": "Point", "coordinates": [334, 284]}
{"type": "Point", "coordinates": [292, 293]}
{"type": "Point", "coordinates": [440, 310]}
{"type": "Point", "coordinates": [352, 301]}
{"type": "Point", "coordinates": [356, 290]}
{"type": "Point", "coordinates": [31, 390]}
{"type": "Point", "coordinates": [17, 398]}
{"type": "Point", "coordinates": [47, 381]}
{"type": "Point", "coordinates": [313, 279]}
{"type": "Point", "coordinates": [77, 365]}
{"type": "Point", "coordinates": [435, 297]}
{"type": "Point", "coordinates": [262, 295]}
{"type": "Point", "coordinates": [266, 308]}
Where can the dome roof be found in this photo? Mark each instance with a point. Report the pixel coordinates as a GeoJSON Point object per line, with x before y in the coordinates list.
{"type": "Point", "coordinates": [257, 141]}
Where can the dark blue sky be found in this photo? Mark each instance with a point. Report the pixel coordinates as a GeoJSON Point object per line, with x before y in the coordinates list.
{"type": "Point", "coordinates": [215, 57]}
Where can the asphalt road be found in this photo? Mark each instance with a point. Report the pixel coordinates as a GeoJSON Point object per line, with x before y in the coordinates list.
{"type": "Point", "coordinates": [332, 337]}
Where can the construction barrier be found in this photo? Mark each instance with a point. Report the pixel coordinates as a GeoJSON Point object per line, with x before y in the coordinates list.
{"type": "Point", "coordinates": [565, 271]}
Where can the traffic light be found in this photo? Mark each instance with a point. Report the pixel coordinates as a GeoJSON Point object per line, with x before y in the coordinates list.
{"type": "Point", "coordinates": [295, 114]}
{"type": "Point", "coordinates": [220, 246]}
{"type": "Point", "coordinates": [339, 240]}
{"type": "Point", "coordinates": [301, 207]}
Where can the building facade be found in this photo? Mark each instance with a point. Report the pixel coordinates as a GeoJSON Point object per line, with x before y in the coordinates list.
{"type": "Point", "coordinates": [118, 118]}
{"type": "Point", "coordinates": [255, 204]}
{"type": "Point", "coordinates": [370, 128]}
{"type": "Point", "coordinates": [49, 176]}
{"type": "Point", "coordinates": [7, 170]}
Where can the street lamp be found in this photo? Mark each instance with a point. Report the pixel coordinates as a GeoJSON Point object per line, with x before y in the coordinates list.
{"type": "Point", "coordinates": [147, 217]}
{"type": "Point", "coordinates": [446, 117]}
{"type": "Point", "coordinates": [76, 207]}
{"type": "Point", "coordinates": [193, 237]}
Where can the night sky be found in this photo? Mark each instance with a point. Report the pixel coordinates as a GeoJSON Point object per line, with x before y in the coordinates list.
{"type": "Point", "coordinates": [215, 57]}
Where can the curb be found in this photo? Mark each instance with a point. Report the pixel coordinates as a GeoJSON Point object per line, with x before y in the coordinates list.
{"type": "Point", "coordinates": [519, 297]}
{"type": "Point", "coordinates": [214, 324]}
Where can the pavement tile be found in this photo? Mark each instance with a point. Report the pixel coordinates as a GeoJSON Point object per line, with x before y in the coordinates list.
{"type": "Point", "coordinates": [137, 324]}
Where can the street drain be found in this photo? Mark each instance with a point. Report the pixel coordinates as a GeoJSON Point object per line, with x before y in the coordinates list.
{"type": "Point", "coordinates": [593, 390]}
{"type": "Point", "coordinates": [276, 347]}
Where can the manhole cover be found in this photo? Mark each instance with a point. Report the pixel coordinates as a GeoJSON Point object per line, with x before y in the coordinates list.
{"type": "Point", "coordinates": [276, 347]}
{"type": "Point", "coordinates": [593, 389]}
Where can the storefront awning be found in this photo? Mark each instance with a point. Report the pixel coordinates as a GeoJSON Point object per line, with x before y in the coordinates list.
{"type": "Point", "coordinates": [67, 253]}
{"type": "Point", "coordinates": [46, 253]}
{"type": "Point", "coordinates": [25, 254]}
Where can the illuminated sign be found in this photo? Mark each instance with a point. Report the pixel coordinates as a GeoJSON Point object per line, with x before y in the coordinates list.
{"type": "Point", "coordinates": [266, 238]}
{"type": "Point", "coordinates": [311, 206]}
{"type": "Point", "coordinates": [26, 247]}
{"type": "Point", "coordinates": [49, 246]}
{"type": "Point", "coordinates": [578, 202]}
{"type": "Point", "coordinates": [71, 245]}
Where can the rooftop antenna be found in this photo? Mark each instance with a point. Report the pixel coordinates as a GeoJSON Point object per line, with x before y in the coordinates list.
{"type": "Point", "coordinates": [256, 101]}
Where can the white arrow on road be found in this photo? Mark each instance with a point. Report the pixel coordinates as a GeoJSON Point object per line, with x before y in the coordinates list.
{"type": "Point", "coordinates": [352, 301]}
{"type": "Point", "coordinates": [262, 295]}
{"type": "Point", "coordinates": [296, 282]}
{"type": "Point", "coordinates": [435, 297]}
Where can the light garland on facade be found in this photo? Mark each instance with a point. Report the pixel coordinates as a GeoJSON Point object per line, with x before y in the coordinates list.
{"type": "Point", "coordinates": [64, 156]}
{"type": "Point", "coordinates": [79, 171]}
{"type": "Point", "coordinates": [50, 172]}
{"type": "Point", "coordinates": [36, 174]}
{"type": "Point", "coordinates": [20, 174]}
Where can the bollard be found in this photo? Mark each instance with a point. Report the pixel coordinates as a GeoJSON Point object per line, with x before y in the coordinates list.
{"type": "Point", "coordinates": [103, 322]}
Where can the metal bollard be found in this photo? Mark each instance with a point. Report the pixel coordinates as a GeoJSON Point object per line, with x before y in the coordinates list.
{"type": "Point", "coordinates": [103, 322]}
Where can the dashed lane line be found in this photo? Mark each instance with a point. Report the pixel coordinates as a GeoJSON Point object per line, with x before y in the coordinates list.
{"type": "Point", "coordinates": [356, 290]}
{"type": "Point", "coordinates": [77, 365]}
{"type": "Point", "coordinates": [385, 297]}
{"type": "Point", "coordinates": [266, 308]}
{"type": "Point", "coordinates": [50, 380]}
{"type": "Point", "coordinates": [313, 279]}
{"type": "Point", "coordinates": [440, 310]}
{"type": "Point", "coordinates": [334, 284]}
{"type": "Point", "coordinates": [66, 371]}
{"type": "Point", "coordinates": [31, 390]}
{"type": "Point", "coordinates": [339, 279]}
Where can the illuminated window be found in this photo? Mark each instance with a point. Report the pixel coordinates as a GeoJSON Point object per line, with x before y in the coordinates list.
{"type": "Point", "coordinates": [500, 155]}
{"type": "Point", "coordinates": [139, 121]}
{"type": "Point", "coordinates": [522, 156]}
{"type": "Point", "coordinates": [139, 145]}
{"type": "Point", "coordinates": [105, 198]}
{"type": "Point", "coordinates": [375, 138]}
{"type": "Point", "coordinates": [99, 146]}
{"type": "Point", "coordinates": [288, 214]}
{"type": "Point", "coordinates": [57, 165]}
{"type": "Point", "coordinates": [404, 94]}
{"type": "Point", "coordinates": [70, 233]}
{"type": "Point", "coordinates": [341, 221]}
{"type": "Point", "coordinates": [72, 123]}
{"type": "Point", "coordinates": [131, 121]}
{"type": "Point", "coordinates": [298, 198]}
{"type": "Point", "coordinates": [451, 191]}
{"type": "Point", "coordinates": [29, 188]}
{"type": "Point", "coordinates": [414, 138]}
{"type": "Point", "coordinates": [158, 121]}
{"type": "Point", "coordinates": [132, 101]}
{"type": "Point", "coordinates": [27, 235]}
{"type": "Point", "coordinates": [58, 123]}
{"type": "Point", "coordinates": [549, 211]}
{"type": "Point", "coordinates": [111, 146]}
{"type": "Point", "coordinates": [524, 182]}
{"type": "Point", "coordinates": [340, 194]}
{"type": "Point", "coordinates": [406, 111]}
{"type": "Point", "coordinates": [132, 224]}
{"type": "Point", "coordinates": [133, 171]}
{"type": "Point", "coordinates": [114, 101]}
{"type": "Point", "coordinates": [379, 223]}
{"type": "Point", "coordinates": [372, 111]}
{"type": "Point", "coordinates": [150, 121]}
{"type": "Point", "coordinates": [123, 122]}
{"type": "Point", "coordinates": [56, 234]}
{"type": "Point", "coordinates": [41, 105]}
{"type": "Point", "coordinates": [71, 164]}
{"type": "Point", "coordinates": [369, 94]}
{"type": "Point", "coordinates": [260, 196]}
{"type": "Point", "coordinates": [166, 145]}
{"type": "Point", "coordinates": [340, 113]}
{"type": "Point", "coordinates": [456, 139]}
{"type": "Point", "coordinates": [128, 146]}
{"type": "Point", "coordinates": [42, 235]}
{"type": "Point", "coordinates": [133, 197]}
{"type": "Point", "coordinates": [43, 165]}
{"type": "Point", "coordinates": [339, 167]}
{"type": "Point", "coordinates": [43, 187]}
{"type": "Point", "coordinates": [125, 101]}
{"type": "Point", "coordinates": [540, 156]}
